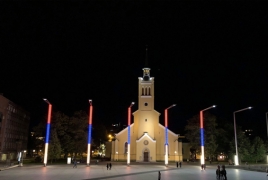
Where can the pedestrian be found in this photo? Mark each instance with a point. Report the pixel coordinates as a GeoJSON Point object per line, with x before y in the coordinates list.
{"type": "Point", "coordinates": [75, 164]}
{"type": "Point", "coordinates": [107, 166]}
{"type": "Point", "coordinates": [159, 175]}
{"type": "Point", "coordinates": [110, 166]}
{"type": "Point", "coordinates": [180, 164]}
{"type": "Point", "coordinates": [218, 172]}
{"type": "Point", "coordinates": [204, 166]}
{"type": "Point", "coordinates": [223, 172]}
{"type": "Point", "coordinates": [210, 161]}
{"type": "Point", "coordinates": [177, 164]}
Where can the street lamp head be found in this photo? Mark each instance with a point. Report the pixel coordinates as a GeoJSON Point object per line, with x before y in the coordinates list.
{"type": "Point", "coordinates": [90, 101]}
{"type": "Point", "coordinates": [174, 105]}
{"type": "Point", "coordinates": [46, 100]}
{"type": "Point", "coordinates": [250, 107]}
{"type": "Point", "coordinates": [214, 106]}
{"type": "Point", "coordinates": [133, 103]}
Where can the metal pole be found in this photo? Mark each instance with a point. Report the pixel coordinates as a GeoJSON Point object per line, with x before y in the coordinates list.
{"type": "Point", "coordinates": [236, 151]}
{"type": "Point", "coordinates": [89, 132]}
{"type": "Point", "coordinates": [128, 133]}
{"type": "Point", "coordinates": [267, 124]}
{"type": "Point", "coordinates": [166, 133]}
{"type": "Point", "coordinates": [48, 131]}
{"type": "Point", "coordinates": [202, 134]}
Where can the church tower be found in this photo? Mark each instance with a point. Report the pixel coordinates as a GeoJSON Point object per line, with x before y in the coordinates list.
{"type": "Point", "coordinates": [147, 119]}
{"type": "Point", "coordinates": [147, 135]}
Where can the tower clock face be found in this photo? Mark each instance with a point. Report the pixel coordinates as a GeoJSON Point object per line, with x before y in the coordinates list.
{"type": "Point", "coordinates": [145, 142]}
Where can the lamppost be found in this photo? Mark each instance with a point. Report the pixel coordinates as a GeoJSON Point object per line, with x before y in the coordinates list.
{"type": "Point", "coordinates": [166, 133]}
{"type": "Point", "coordinates": [23, 152]}
{"type": "Point", "coordinates": [267, 123]}
{"type": "Point", "coordinates": [89, 131]}
{"type": "Point", "coordinates": [128, 133]}
{"type": "Point", "coordinates": [202, 134]}
{"type": "Point", "coordinates": [267, 132]}
{"type": "Point", "coordinates": [236, 156]}
{"type": "Point", "coordinates": [48, 130]}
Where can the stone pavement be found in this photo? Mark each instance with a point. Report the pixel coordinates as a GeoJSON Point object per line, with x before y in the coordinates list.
{"type": "Point", "coordinates": [119, 171]}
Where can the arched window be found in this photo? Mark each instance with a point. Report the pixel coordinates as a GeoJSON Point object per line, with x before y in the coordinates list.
{"type": "Point", "coordinates": [149, 91]}
{"type": "Point", "coordinates": [142, 91]}
{"type": "Point", "coordinates": [146, 91]}
{"type": "Point", "coordinates": [126, 150]}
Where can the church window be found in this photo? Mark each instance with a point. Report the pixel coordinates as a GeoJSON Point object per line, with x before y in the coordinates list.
{"type": "Point", "coordinates": [126, 145]}
{"type": "Point", "coordinates": [146, 91]}
{"type": "Point", "coordinates": [145, 104]}
{"type": "Point", "coordinates": [142, 93]}
{"type": "Point", "coordinates": [149, 93]}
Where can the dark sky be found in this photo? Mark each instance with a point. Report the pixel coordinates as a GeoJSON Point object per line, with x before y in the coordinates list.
{"type": "Point", "coordinates": [200, 53]}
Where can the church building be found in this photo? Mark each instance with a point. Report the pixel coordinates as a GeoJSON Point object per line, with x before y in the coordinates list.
{"type": "Point", "coordinates": [147, 135]}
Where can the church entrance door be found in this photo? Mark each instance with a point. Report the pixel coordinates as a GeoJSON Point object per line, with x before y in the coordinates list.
{"type": "Point", "coordinates": [146, 156]}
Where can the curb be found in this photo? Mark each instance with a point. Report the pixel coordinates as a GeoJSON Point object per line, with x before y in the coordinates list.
{"type": "Point", "coordinates": [2, 169]}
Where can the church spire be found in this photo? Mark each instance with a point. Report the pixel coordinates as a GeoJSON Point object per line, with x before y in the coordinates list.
{"type": "Point", "coordinates": [146, 69]}
{"type": "Point", "coordinates": [146, 56]}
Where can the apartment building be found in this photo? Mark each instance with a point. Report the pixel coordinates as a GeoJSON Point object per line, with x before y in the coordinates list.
{"type": "Point", "coordinates": [14, 130]}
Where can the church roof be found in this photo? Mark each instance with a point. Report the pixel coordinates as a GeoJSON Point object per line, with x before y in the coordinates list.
{"type": "Point", "coordinates": [124, 129]}
{"type": "Point", "coordinates": [168, 130]}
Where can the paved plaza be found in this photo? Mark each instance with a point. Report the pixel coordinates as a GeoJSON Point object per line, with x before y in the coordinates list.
{"type": "Point", "coordinates": [119, 171]}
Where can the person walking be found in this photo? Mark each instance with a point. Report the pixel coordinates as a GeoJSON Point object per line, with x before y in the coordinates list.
{"type": "Point", "coordinates": [75, 164]}
{"type": "Point", "coordinates": [177, 164]}
{"type": "Point", "coordinates": [159, 175]}
{"type": "Point", "coordinates": [223, 172]}
{"type": "Point", "coordinates": [107, 166]}
{"type": "Point", "coordinates": [110, 166]}
{"type": "Point", "coordinates": [218, 172]}
{"type": "Point", "coordinates": [180, 164]}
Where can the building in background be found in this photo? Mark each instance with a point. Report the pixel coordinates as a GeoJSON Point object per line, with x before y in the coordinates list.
{"type": "Point", "coordinates": [14, 129]}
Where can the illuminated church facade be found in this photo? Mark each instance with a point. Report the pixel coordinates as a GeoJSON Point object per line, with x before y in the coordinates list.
{"type": "Point", "coordinates": [147, 135]}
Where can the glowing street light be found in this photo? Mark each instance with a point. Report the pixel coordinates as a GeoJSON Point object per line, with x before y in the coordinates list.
{"type": "Point", "coordinates": [128, 133]}
{"type": "Point", "coordinates": [166, 133]}
{"type": "Point", "coordinates": [89, 131]}
{"type": "Point", "coordinates": [202, 134]}
{"type": "Point", "coordinates": [236, 156]}
{"type": "Point", "coordinates": [23, 152]}
{"type": "Point", "coordinates": [48, 130]}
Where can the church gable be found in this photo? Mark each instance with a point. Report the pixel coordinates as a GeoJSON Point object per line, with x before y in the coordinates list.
{"type": "Point", "coordinates": [145, 136]}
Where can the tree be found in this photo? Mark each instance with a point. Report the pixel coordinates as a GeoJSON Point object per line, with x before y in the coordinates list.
{"type": "Point", "coordinates": [258, 149]}
{"type": "Point", "coordinates": [62, 124]}
{"type": "Point", "coordinates": [210, 133]}
{"type": "Point", "coordinates": [243, 145]}
{"type": "Point", "coordinates": [225, 135]}
{"type": "Point", "coordinates": [79, 131]}
{"type": "Point", "coordinates": [193, 132]}
{"type": "Point", "coordinates": [54, 148]}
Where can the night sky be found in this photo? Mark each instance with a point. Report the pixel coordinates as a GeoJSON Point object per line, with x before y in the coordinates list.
{"type": "Point", "coordinates": [200, 53]}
